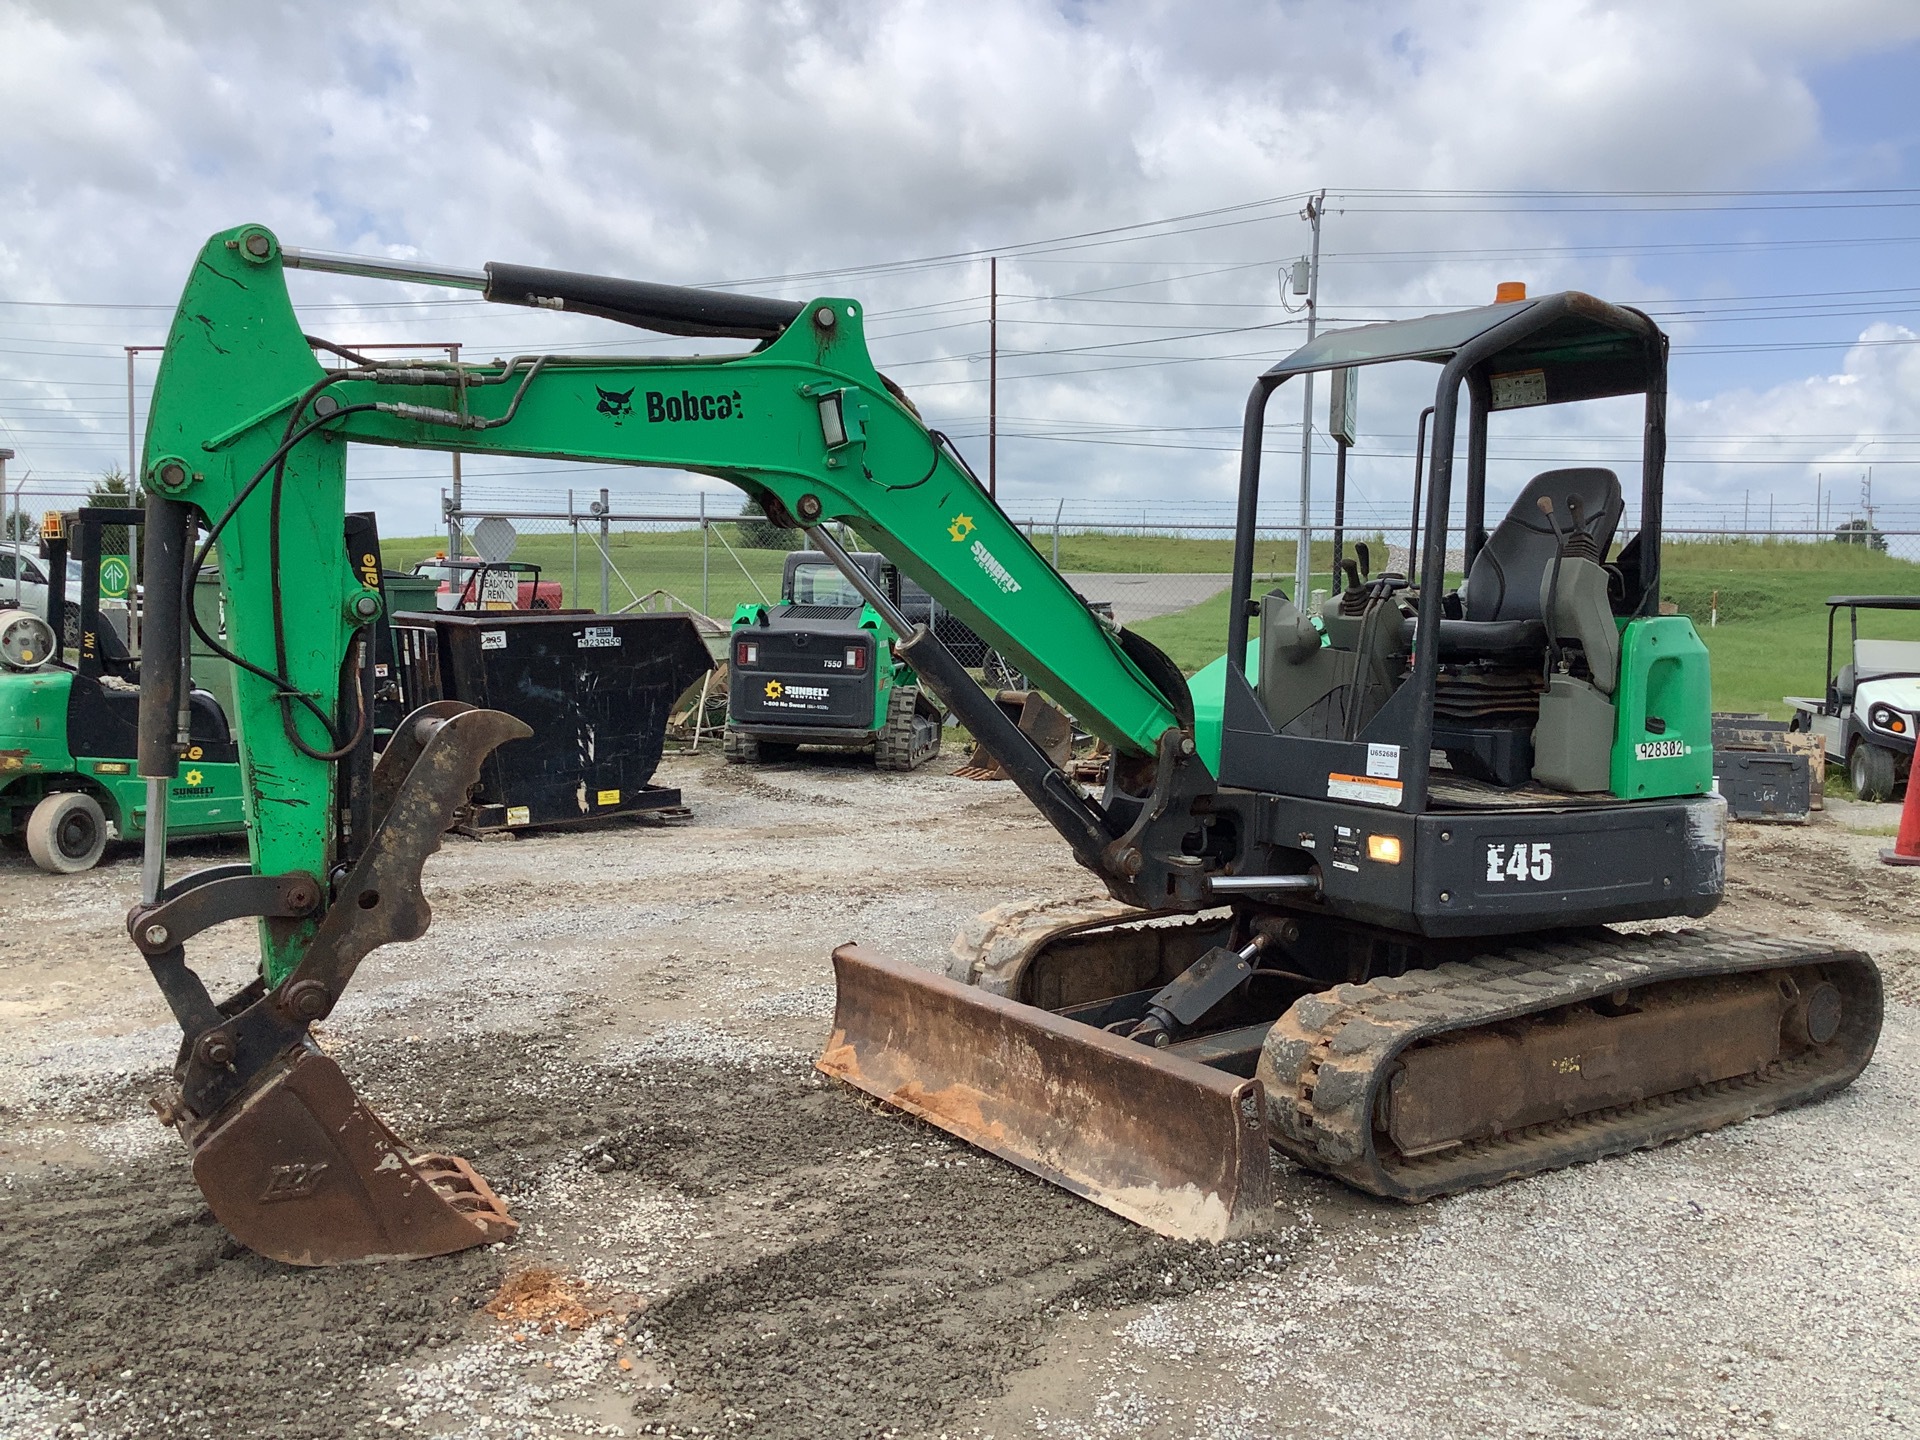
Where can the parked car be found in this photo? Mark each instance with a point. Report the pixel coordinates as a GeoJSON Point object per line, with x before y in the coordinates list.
{"type": "Point", "coordinates": [1866, 720]}
{"type": "Point", "coordinates": [470, 584]}
{"type": "Point", "coordinates": [23, 584]}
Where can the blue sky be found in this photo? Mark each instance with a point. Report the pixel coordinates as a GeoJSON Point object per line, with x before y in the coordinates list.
{"type": "Point", "coordinates": [755, 143]}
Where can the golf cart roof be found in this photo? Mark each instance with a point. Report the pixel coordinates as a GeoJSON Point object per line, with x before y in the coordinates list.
{"type": "Point", "coordinates": [1564, 346]}
{"type": "Point", "coordinates": [1874, 602]}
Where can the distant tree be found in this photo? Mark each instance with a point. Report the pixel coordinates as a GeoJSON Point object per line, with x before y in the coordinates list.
{"type": "Point", "coordinates": [113, 491]}
{"type": "Point", "coordinates": [759, 533]}
{"type": "Point", "coordinates": [1861, 532]}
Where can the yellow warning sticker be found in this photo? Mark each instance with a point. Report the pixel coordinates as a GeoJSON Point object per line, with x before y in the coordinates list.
{"type": "Point", "coordinates": [1366, 789]}
{"type": "Point", "coordinates": [519, 815]}
{"type": "Point", "coordinates": [609, 797]}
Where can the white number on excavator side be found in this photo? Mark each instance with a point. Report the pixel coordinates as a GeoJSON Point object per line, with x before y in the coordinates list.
{"type": "Point", "coordinates": [1520, 862]}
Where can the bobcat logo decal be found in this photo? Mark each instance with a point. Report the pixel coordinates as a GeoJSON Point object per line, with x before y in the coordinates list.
{"type": "Point", "coordinates": [617, 403]}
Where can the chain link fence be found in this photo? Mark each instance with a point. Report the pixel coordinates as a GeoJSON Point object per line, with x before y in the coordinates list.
{"type": "Point", "coordinates": [676, 553]}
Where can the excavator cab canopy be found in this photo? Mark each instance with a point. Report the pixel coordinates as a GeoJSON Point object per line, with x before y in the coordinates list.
{"type": "Point", "coordinates": [1547, 350]}
{"type": "Point", "coordinates": [1550, 350]}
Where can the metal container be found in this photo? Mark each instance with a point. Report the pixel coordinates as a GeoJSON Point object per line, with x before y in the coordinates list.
{"type": "Point", "coordinates": [597, 690]}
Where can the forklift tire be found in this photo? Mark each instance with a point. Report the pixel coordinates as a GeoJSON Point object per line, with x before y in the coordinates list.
{"type": "Point", "coordinates": [1871, 769]}
{"type": "Point", "coordinates": [67, 833]}
{"type": "Point", "coordinates": [907, 741]}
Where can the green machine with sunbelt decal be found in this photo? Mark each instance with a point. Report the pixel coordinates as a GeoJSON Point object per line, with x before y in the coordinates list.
{"type": "Point", "coordinates": [69, 721]}
{"type": "Point", "coordinates": [1361, 876]}
{"type": "Point", "coordinates": [820, 667]}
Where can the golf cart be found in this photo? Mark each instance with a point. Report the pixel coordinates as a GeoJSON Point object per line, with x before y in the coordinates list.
{"type": "Point", "coordinates": [1867, 717]}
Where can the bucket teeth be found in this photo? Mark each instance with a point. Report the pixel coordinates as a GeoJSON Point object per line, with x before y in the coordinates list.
{"type": "Point", "coordinates": [300, 1170]}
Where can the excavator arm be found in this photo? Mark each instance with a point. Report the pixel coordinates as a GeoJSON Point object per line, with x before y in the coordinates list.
{"type": "Point", "coordinates": [245, 467]}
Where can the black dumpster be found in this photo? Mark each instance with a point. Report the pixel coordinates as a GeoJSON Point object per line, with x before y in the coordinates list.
{"type": "Point", "coordinates": [596, 689]}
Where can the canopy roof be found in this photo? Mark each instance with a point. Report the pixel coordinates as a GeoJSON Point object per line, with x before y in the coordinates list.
{"type": "Point", "coordinates": [1565, 346]}
{"type": "Point", "coordinates": [1875, 602]}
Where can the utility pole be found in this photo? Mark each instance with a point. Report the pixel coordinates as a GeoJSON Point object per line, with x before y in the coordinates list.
{"type": "Point", "coordinates": [1303, 555]}
{"type": "Point", "coordinates": [993, 376]}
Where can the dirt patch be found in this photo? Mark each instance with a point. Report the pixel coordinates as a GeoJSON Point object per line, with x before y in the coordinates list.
{"type": "Point", "coordinates": [545, 1301]}
{"type": "Point", "coordinates": [853, 1273]}
{"type": "Point", "coordinates": [910, 1274]}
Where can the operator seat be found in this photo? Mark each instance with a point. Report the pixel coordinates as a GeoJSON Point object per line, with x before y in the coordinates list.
{"type": "Point", "coordinates": [1501, 596]}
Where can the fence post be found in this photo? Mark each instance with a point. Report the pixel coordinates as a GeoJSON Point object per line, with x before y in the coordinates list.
{"type": "Point", "coordinates": [1059, 505]}
{"type": "Point", "coordinates": [573, 524]}
{"type": "Point", "coordinates": [704, 601]}
{"type": "Point", "coordinates": [606, 559]}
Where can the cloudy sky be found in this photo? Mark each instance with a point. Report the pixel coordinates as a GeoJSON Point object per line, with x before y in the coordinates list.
{"type": "Point", "coordinates": [1747, 170]}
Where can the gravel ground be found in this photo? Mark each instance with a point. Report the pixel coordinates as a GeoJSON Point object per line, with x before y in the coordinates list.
{"type": "Point", "coordinates": [616, 1027]}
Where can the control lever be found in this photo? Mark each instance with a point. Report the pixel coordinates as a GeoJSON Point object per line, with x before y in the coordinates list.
{"type": "Point", "coordinates": [1564, 542]}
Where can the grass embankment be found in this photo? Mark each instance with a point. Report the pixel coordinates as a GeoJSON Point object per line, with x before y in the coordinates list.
{"type": "Point", "coordinates": [670, 560]}
{"type": "Point", "coordinates": [1770, 640]}
{"type": "Point", "coordinates": [1771, 637]}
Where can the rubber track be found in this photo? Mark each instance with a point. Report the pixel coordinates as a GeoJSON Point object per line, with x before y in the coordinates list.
{"type": "Point", "coordinates": [1324, 1061]}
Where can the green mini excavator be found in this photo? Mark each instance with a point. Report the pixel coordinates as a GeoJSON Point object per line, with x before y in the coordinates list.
{"type": "Point", "coordinates": [1360, 885]}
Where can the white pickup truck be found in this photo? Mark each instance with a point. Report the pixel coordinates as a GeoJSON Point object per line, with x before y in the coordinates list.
{"type": "Point", "coordinates": [1871, 709]}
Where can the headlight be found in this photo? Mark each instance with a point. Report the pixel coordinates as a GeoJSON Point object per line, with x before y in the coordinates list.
{"type": "Point", "coordinates": [1894, 722]}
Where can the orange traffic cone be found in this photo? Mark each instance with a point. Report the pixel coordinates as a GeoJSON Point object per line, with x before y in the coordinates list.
{"type": "Point", "coordinates": [1906, 845]}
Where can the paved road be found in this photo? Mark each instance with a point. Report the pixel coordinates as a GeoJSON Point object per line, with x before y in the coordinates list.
{"type": "Point", "coordinates": [1141, 597]}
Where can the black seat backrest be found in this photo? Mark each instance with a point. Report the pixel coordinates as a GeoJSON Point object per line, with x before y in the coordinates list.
{"type": "Point", "coordinates": [1504, 583]}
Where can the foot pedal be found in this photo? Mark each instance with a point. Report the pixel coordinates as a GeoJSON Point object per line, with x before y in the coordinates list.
{"type": "Point", "coordinates": [301, 1171]}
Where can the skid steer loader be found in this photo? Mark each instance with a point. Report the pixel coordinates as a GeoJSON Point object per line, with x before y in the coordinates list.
{"type": "Point", "coordinates": [1368, 926]}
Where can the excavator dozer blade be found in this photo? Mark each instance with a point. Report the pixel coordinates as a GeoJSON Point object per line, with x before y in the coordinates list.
{"type": "Point", "coordinates": [1161, 1140]}
{"type": "Point", "coordinates": [301, 1171]}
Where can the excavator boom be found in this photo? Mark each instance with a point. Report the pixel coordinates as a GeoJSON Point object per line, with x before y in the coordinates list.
{"type": "Point", "coordinates": [246, 459]}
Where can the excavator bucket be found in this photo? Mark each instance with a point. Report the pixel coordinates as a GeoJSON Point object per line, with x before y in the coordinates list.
{"type": "Point", "coordinates": [303, 1172]}
{"type": "Point", "coordinates": [1168, 1143]}
{"type": "Point", "coordinates": [1039, 720]}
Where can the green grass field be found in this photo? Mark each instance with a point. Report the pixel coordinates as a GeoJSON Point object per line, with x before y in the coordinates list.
{"type": "Point", "coordinates": [670, 560]}
{"type": "Point", "coordinates": [1770, 640]}
{"type": "Point", "coordinates": [1772, 632]}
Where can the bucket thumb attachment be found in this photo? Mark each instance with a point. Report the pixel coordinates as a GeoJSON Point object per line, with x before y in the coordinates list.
{"type": "Point", "coordinates": [1168, 1143]}
{"type": "Point", "coordinates": [290, 1160]}
{"type": "Point", "coordinates": [1039, 719]}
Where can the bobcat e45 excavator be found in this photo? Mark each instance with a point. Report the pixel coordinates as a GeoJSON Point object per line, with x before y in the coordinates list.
{"type": "Point", "coordinates": [1325, 937]}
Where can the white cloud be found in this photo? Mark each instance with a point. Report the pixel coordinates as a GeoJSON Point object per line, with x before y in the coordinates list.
{"type": "Point", "coordinates": [731, 140]}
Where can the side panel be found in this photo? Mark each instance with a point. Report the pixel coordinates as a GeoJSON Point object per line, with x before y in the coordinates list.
{"type": "Point", "coordinates": [33, 723]}
{"type": "Point", "coordinates": [1493, 872]}
{"type": "Point", "coordinates": [1663, 740]}
{"type": "Point", "coordinates": [1505, 871]}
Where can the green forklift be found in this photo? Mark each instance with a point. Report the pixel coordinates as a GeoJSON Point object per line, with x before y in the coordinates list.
{"type": "Point", "coordinates": [68, 722]}
{"type": "Point", "coordinates": [67, 745]}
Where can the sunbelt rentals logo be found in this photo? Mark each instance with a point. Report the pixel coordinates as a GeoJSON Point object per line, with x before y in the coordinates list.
{"type": "Point", "coordinates": [775, 689]}
{"type": "Point", "coordinates": [960, 529]}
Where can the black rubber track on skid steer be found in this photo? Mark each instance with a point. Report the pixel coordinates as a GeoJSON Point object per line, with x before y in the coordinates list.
{"type": "Point", "coordinates": [1325, 1061]}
